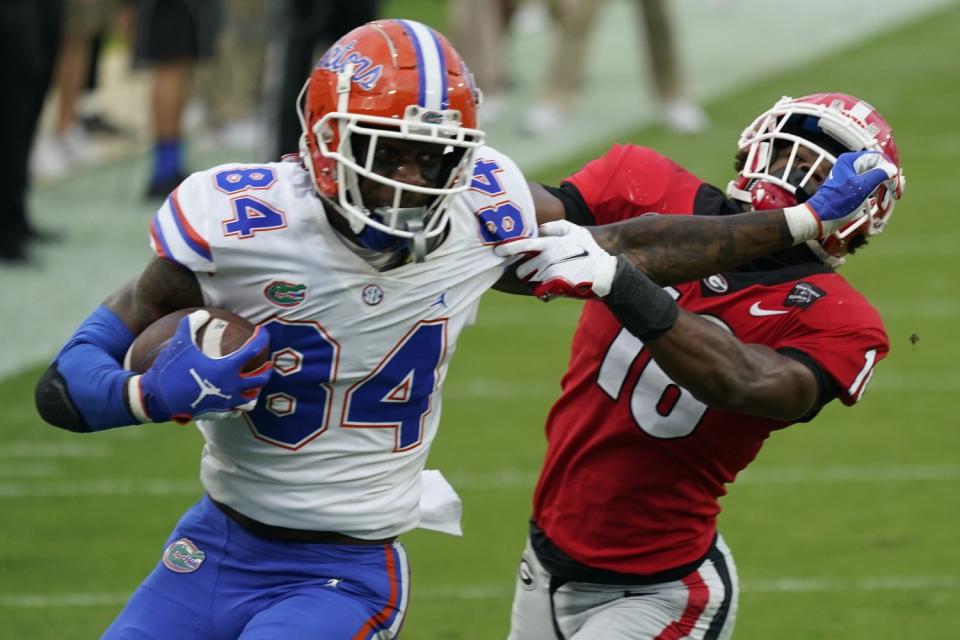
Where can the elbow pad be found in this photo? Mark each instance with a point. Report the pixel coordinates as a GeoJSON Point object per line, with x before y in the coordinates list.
{"type": "Point", "coordinates": [54, 404]}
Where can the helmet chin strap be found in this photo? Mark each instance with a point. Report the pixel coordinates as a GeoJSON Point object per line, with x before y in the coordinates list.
{"type": "Point", "coordinates": [409, 219]}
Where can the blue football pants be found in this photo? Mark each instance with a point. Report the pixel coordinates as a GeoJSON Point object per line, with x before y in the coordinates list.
{"type": "Point", "coordinates": [217, 581]}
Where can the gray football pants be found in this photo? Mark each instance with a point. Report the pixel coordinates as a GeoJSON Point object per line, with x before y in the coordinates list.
{"type": "Point", "coordinates": [701, 606]}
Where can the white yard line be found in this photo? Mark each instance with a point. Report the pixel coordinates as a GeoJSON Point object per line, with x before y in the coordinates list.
{"type": "Point", "coordinates": [848, 474]}
{"type": "Point", "coordinates": [28, 470]}
{"type": "Point", "coordinates": [502, 479]}
{"type": "Point", "coordinates": [101, 487]}
{"type": "Point", "coordinates": [34, 449]}
{"type": "Point", "coordinates": [50, 601]}
{"type": "Point", "coordinates": [780, 585]}
{"type": "Point", "coordinates": [498, 592]}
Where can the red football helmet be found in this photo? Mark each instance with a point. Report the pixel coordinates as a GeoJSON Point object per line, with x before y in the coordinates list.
{"type": "Point", "coordinates": [826, 124]}
{"type": "Point", "coordinates": [396, 79]}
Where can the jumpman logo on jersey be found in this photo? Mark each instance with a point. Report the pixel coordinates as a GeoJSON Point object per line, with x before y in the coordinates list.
{"type": "Point", "coordinates": [207, 388]}
{"type": "Point", "coordinates": [441, 300]}
{"type": "Point", "coordinates": [333, 582]}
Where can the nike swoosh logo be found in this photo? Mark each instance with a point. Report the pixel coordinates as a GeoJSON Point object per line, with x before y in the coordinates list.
{"type": "Point", "coordinates": [583, 254]}
{"type": "Point", "coordinates": [756, 310]}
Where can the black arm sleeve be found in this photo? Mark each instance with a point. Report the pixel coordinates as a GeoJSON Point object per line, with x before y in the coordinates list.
{"type": "Point", "coordinates": [827, 388]}
{"type": "Point", "coordinates": [575, 209]}
{"type": "Point", "coordinates": [54, 404]}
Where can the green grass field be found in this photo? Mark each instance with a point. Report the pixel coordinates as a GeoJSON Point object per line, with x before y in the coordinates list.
{"type": "Point", "coordinates": [843, 529]}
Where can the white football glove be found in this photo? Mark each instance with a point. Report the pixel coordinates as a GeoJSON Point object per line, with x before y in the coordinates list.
{"type": "Point", "coordinates": [565, 261]}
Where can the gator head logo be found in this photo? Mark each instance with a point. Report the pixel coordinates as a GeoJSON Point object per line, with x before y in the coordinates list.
{"type": "Point", "coordinates": [285, 294]}
{"type": "Point", "coordinates": [432, 117]}
{"type": "Point", "coordinates": [183, 556]}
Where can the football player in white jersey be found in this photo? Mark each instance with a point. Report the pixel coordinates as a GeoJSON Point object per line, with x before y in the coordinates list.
{"type": "Point", "coordinates": [360, 262]}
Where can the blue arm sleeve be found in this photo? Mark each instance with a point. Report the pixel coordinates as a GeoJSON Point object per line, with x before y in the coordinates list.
{"type": "Point", "coordinates": [90, 365]}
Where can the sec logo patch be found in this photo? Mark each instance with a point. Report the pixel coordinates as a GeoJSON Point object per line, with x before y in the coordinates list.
{"type": "Point", "coordinates": [372, 295]}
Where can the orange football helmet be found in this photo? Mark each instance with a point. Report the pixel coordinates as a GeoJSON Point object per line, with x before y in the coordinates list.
{"type": "Point", "coordinates": [395, 79]}
{"type": "Point", "coordinates": [827, 124]}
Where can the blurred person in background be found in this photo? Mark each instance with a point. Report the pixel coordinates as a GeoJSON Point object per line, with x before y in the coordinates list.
{"type": "Point", "coordinates": [480, 32]}
{"type": "Point", "coordinates": [90, 116]}
{"type": "Point", "coordinates": [29, 41]}
{"type": "Point", "coordinates": [671, 392]}
{"type": "Point", "coordinates": [92, 108]}
{"type": "Point", "coordinates": [230, 88]}
{"type": "Point", "coordinates": [574, 20]}
{"type": "Point", "coordinates": [172, 36]}
{"type": "Point", "coordinates": [68, 143]}
{"type": "Point", "coordinates": [299, 30]}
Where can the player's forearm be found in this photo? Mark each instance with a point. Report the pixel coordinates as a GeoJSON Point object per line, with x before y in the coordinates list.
{"type": "Point", "coordinates": [675, 249]}
{"type": "Point", "coordinates": [707, 360]}
{"type": "Point", "coordinates": [724, 373]}
{"type": "Point", "coordinates": [85, 387]}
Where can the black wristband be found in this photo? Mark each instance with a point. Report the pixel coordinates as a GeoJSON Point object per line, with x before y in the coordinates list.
{"type": "Point", "coordinates": [641, 306]}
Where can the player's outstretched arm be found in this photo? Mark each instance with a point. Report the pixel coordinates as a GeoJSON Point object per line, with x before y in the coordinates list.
{"type": "Point", "coordinates": [86, 389]}
{"type": "Point", "coordinates": [675, 249]}
{"type": "Point", "coordinates": [669, 249]}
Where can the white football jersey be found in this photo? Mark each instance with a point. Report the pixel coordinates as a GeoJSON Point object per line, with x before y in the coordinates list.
{"type": "Point", "coordinates": [341, 432]}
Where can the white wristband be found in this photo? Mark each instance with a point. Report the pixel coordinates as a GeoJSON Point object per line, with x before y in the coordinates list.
{"type": "Point", "coordinates": [803, 223]}
{"type": "Point", "coordinates": [135, 399]}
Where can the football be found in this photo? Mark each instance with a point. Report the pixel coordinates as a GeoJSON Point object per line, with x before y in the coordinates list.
{"type": "Point", "coordinates": [221, 335]}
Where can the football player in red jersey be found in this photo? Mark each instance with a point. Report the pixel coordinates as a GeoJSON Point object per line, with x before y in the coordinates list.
{"type": "Point", "coordinates": [672, 391]}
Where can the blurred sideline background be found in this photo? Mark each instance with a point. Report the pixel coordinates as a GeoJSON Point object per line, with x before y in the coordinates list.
{"type": "Point", "coordinates": [100, 211]}
{"type": "Point", "coordinates": [844, 528]}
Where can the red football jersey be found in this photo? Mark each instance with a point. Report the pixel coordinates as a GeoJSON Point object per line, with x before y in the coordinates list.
{"type": "Point", "coordinates": [635, 464]}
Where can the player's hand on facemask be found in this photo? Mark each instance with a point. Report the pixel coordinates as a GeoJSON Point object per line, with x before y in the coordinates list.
{"type": "Point", "coordinates": [857, 177]}
{"type": "Point", "coordinates": [183, 382]}
{"type": "Point", "coordinates": [564, 260]}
